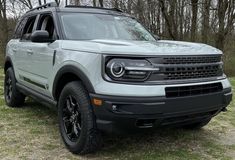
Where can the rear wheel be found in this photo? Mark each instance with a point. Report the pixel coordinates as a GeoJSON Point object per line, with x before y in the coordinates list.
{"type": "Point", "coordinates": [77, 121]}
{"type": "Point", "coordinates": [13, 97]}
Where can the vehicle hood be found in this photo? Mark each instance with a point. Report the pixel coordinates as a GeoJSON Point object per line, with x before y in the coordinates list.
{"type": "Point", "coordinates": [161, 47]}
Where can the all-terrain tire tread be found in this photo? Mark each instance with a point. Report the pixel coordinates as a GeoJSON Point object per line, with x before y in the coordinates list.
{"type": "Point", "coordinates": [17, 99]}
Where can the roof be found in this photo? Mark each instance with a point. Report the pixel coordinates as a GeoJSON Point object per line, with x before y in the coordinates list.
{"type": "Point", "coordinates": [70, 8]}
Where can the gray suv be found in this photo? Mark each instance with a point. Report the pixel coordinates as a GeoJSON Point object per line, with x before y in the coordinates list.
{"type": "Point", "coordinates": [105, 72]}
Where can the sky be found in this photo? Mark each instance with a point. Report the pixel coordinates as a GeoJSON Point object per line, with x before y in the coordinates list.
{"type": "Point", "coordinates": [18, 9]}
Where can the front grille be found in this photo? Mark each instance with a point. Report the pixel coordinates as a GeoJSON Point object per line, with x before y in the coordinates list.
{"type": "Point", "coordinates": [187, 118]}
{"type": "Point", "coordinates": [191, 59]}
{"type": "Point", "coordinates": [193, 90]}
{"type": "Point", "coordinates": [186, 67]}
{"type": "Point", "coordinates": [188, 72]}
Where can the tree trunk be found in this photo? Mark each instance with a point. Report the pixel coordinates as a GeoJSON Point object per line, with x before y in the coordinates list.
{"type": "Point", "coordinates": [76, 2]}
{"type": "Point", "coordinates": [169, 19]}
{"type": "Point", "coordinates": [57, 2]}
{"type": "Point", "coordinates": [39, 2]}
{"type": "Point", "coordinates": [101, 3]}
{"type": "Point", "coordinates": [206, 21]}
{"type": "Point", "coordinates": [194, 19]}
{"type": "Point", "coordinates": [181, 20]}
{"type": "Point", "coordinates": [30, 6]}
{"type": "Point", "coordinates": [222, 7]}
{"type": "Point", "coordinates": [116, 5]}
{"type": "Point", "coordinates": [94, 3]}
{"type": "Point", "coordinates": [3, 27]}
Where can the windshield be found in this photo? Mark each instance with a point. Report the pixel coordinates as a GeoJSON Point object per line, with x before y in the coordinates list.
{"type": "Point", "coordinates": [85, 26]}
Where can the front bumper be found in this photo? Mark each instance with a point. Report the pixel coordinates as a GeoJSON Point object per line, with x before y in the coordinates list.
{"type": "Point", "coordinates": [128, 113]}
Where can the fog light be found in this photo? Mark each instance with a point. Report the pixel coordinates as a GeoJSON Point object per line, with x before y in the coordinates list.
{"type": "Point", "coordinates": [114, 107]}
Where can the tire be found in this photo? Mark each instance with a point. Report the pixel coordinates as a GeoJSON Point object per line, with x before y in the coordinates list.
{"type": "Point", "coordinates": [197, 125]}
{"type": "Point", "coordinates": [13, 97]}
{"type": "Point", "coordinates": [77, 122]}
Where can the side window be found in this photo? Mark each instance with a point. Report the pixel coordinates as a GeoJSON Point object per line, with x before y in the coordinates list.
{"type": "Point", "coordinates": [28, 29]}
{"type": "Point", "coordinates": [19, 28]}
{"type": "Point", "coordinates": [46, 23]}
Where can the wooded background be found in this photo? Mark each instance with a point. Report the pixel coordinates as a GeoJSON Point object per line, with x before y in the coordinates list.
{"type": "Point", "coordinates": [205, 21]}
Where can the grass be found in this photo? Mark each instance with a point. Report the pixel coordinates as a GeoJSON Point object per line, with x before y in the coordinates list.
{"type": "Point", "coordinates": [32, 132]}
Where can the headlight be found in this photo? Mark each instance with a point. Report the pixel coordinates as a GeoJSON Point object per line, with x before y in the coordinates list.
{"type": "Point", "coordinates": [119, 69]}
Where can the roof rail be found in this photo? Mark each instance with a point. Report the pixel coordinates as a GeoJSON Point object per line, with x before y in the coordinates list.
{"type": "Point", "coordinates": [116, 9]}
{"type": "Point", "coordinates": [47, 5]}
{"type": "Point", "coordinates": [113, 9]}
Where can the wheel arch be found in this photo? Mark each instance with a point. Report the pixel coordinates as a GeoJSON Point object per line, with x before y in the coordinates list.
{"type": "Point", "coordinates": [8, 63]}
{"type": "Point", "coordinates": [68, 74]}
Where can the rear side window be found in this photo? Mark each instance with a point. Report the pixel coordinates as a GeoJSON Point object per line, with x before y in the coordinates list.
{"type": "Point", "coordinates": [28, 28]}
{"type": "Point", "coordinates": [19, 28]}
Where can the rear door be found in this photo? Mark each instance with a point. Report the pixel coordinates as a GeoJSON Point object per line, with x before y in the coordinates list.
{"type": "Point", "coordinates": [14, 46]}
{"type": "Point", "coordinates": [24, 50]}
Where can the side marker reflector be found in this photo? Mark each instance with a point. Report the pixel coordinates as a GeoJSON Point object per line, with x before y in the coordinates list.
{"type": "Point", "coordinates": [97, 102]}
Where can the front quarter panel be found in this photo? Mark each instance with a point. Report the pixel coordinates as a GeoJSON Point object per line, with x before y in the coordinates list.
{"type": "Point", "coordinates": [87, 63]}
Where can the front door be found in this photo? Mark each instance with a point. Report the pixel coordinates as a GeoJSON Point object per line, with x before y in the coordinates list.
{"type": "Point", "coordinates": [43, 54]}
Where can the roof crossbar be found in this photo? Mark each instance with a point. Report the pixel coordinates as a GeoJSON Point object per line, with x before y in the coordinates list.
{"type": "Point", "coordinates": [113, 9]}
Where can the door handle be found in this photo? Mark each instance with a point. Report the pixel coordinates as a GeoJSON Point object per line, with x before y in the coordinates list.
{"type": "Point", "coordinates": [29, 52]}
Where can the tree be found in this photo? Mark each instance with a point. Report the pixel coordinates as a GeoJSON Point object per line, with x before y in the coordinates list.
{"type": "Point", "coordinates": [94, 3]}
{"type": "Point", "coordinates": [169, 18]}
{"type": "Point", "coordinates": [75, 2]}
{"type": "Point", "coordinates": [206, 20]}
{"type": "Point", "coordinates": [194, 19]}
{"type": "Point", "coordinates": [101, 3]}
{"type": "Point", "coordinates": [27, 3]}
{"type": "Point", "coordinates": [3, 26]}
{"type": "Point", "coordinates": [226, 18]}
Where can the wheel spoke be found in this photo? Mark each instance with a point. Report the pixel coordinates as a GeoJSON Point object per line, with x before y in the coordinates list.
{"type": "Point", "coordinates": [75, 129]}
{"type": "Point", "coordinates": [79, 126]}
{"type": "Point", "coordinates": [10, 94]}
{"type": "Point", "coordinates": [69, 106]}
{"type": "Point", "coordinates": [72, 118]}
{"type": "Point", "coordinates": [9, 81]}
{"type": "Point", "coordinates": [67, 124]}
{"type": "Point", "coordinates": [9, 88]}
{"type": "Point", "coordinates": [73, 105]}
{"type": "Point", "coordinates": [70, 135]}
{"type": "Point", "coordinates": [78, 120]}
{"type": "Point", "coordinates": [66, 120]}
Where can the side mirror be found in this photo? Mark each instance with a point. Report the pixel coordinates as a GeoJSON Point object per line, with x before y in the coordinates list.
{"type": "Point", "coordinates": [40, 36]}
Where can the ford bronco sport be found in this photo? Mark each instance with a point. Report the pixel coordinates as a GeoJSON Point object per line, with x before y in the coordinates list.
{"type": "Point", "coordinates": [105, 72]}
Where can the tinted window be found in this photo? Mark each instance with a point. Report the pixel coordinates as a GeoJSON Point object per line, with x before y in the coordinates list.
{"type": "Point", "coordinates": [28, 29]}
{"type": "Point", "coordinates": [19, 28]}
{"type": "Point", "coordinates": [85, 26]}
{"type": "Point", "coordinates": [46, 23]}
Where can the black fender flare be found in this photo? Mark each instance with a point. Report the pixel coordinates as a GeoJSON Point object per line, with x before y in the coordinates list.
{"type": "Point", "coordinates": [6, 62]}
{"type": "Point", "coordinates": [76, 71]}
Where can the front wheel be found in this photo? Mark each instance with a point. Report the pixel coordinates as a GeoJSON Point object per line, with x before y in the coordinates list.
{"type": "Point", "coordinates": [77, 122]}
{"type": "Point", "coordinates": [13, 97]}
